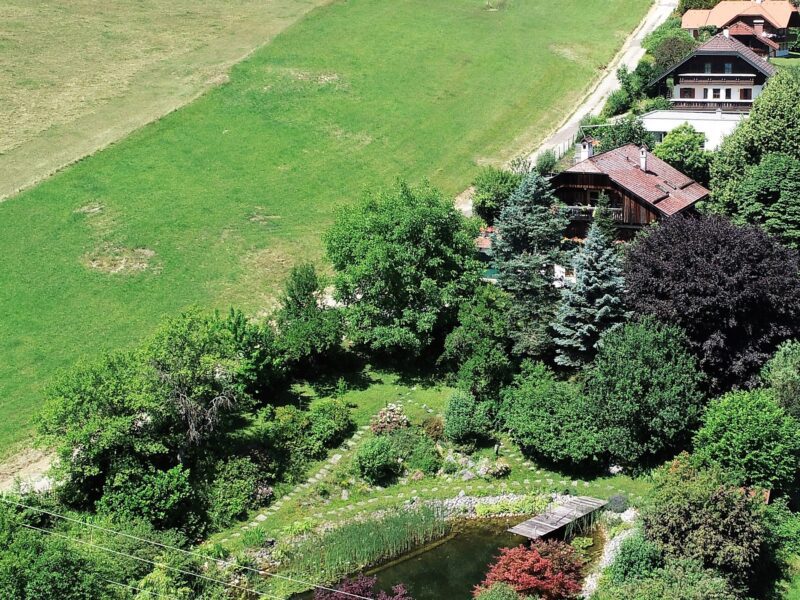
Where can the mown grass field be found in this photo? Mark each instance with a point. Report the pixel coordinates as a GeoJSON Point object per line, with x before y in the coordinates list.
{"type": "Point", "coordinates": [77, 75]}
{"type": "Point", "coordinates": [213, 204]}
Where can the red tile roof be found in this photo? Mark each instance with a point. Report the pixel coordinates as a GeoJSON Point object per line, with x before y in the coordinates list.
{"type": "Point", "coordinates": [777, 12]}
{"type": "Point", "coordinates": [740, 28]}
{"type": "Point", "coordinates": [722, 43]}
{"type": "Point", "coordinates": [660, 186]}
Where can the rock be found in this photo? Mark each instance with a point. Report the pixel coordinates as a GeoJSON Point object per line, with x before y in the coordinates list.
{"type": "Point", "coordinates": [417, 475]}
{"type": "Point", "coordinates": [467, 475]}
{"type": "Point", "coordinates": [345, 495]}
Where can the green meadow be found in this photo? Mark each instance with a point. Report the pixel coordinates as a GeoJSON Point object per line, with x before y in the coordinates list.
{"type": "Point", "coordinates": [212, 204]}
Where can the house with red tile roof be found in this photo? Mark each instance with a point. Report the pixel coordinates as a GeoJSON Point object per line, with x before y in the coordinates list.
{"type": "Point", "coordinates": [642, 188]}
{"type": "Point", "coordinates": [769, 19]}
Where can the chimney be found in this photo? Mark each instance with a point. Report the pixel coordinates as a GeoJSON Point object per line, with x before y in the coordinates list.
{"type": "Point", "coordinates": [726, 32]}
{"type": "Point", "coordinates": [758, 26]}
{"type": "Point", "coordinates": [643, 157]}
{"type": "Point", "coordinates": [587, 148]}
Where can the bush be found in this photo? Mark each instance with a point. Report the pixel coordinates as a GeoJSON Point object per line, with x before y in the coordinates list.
{"type": "Point", "coordinates": [551, 570]}
{"type": "Point", "coordinates": [637, 559]}
{"type": "Point", "coordinates": [693, 514]}
{"type": "Point", "coordinates": [377, 460]}
{"type": "Point", "coordinates": [684, 149]}
{"type": "Point", "coordinates": [782, 375]}
{"type": "Point", "coordinates": [549, 418]}
{"type": "Point", "coordinates": [618, 102]}
{"type": "Point", "coordinates": [466, 421]}
{"type": "Point", "coordinates": [493, 188]}
{"type": "Point", "coordinates": [237, 488]}
{"type": "Point", "coordinates": [361, 587]}
{"type": "Point", "coordinates": [618, 503]}
{"type": "Point", "coordinates": [644, 392]}
{"type": "Point", "coordinates": [526, 505]}
{"type": "Point", "coordinates": [330, 422]}
{"type": "Point", "coordinates": [424, 456]}
{"type": "Point", "coordinates": [434, 427]}
{"type": "Point", "coordinates": [498, 591]}
{"type": "Point", "coordinates": [546, 162]}
{"type": "Point", "coordinates": [751, 440]}
{"type": "Point", "coordinates": [389, 419]}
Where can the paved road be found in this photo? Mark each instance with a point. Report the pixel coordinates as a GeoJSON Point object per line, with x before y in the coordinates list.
{"type": "Point", "coordinates": [629, 55]}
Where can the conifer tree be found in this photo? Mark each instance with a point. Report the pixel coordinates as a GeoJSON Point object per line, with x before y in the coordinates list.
{"type": "Point", "coordinates": [526, 246]}
{"type": "Point", "coordinates": [602, 217]}
{"type": "Point", "coordinates": [593, 304]}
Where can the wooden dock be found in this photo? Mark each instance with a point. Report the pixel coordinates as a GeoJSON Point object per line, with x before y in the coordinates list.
{"type": "Point", "coordinates": [558, 516]}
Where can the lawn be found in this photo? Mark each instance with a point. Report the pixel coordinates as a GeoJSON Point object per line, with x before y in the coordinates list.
{"type": "Point", "coordinates": [78, 75]}
{"type": "Point", "coordinates": [212, 204]}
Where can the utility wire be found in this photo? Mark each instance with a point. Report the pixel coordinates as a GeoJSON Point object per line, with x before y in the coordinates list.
{"type": "Point", "coordinates": [181, 550]}
{"type": "Point", "coordinates": [150, 562]}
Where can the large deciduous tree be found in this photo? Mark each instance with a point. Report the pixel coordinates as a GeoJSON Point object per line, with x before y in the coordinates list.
{"type": "Point", "coordinates": [750, 438]}
{"type": "Point", "coordinates": [772, 127]}
{"type": "Point", "coordinates": [404, 259]}
{"type": "Point", "coordinates": [593, 304]}
{"type": "Point", "coordinates": [684, 149]}
{"type": "Point", "coordinates": [782, 375]}
{"type": "Point", "coordinates": [493, 188]}
{"type": "Point", "coordinates": [644, 392]}
{"type": "Point", "coordinates": [734, 290]}
{"type": "Point", "coordinates": [526, 246]}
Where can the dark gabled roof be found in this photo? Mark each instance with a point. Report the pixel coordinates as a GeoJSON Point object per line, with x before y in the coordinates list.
{"type": "Point", "coordinates": [661, 186]}
{"type": "Point", "coordinates": [741, 28]}
{"type": "Point", "coordinates": [722, 45]}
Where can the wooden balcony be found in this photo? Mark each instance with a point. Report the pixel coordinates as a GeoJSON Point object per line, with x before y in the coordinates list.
{"type": "Point", "coordinates": [711, 105]}
{"type": "Point", "coordinates": [586, 213]}
{"type": "Point", "coordinates": [716, 79]}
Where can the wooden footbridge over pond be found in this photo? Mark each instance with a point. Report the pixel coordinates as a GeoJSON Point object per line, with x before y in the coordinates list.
{"type": "Point", "coordinates": [558, 515]}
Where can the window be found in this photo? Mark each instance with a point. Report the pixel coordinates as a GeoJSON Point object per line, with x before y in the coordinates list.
{"type": "Point", "coordinates": [728, 68]}
{"type": "Point", "coordinates": [687, 93]}
{"type": "Point", "coordinates": [707, 68]}
{"type": "Point", "coordinates": [715, 93]}
{"type": "Point", "coordinates": [745, 94]}
{"type": "Point", "coordinates": [728, 93]}
{"type": "Point", "coordinates": [705, 93]}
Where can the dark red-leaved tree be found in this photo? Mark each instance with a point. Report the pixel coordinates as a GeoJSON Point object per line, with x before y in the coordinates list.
{"type": "Point", "coordinates": [364, 587]}
{"type": "Point", "coordinates": [550, 570]}
{"type": "Point", "coordinates": [734, 290]}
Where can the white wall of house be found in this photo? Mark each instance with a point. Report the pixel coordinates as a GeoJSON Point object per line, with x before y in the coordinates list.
{"type": "Point", "coordinates": [733, 87]}
{"type": "Point", "coordinates": [715, 125]}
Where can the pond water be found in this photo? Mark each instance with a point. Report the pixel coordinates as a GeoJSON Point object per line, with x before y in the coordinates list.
{"type": "Point", "coordinates": [450, 569]}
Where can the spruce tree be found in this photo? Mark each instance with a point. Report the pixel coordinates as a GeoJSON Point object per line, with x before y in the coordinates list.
{"type": "Point", "coordinates": [526, 246]}
{"type": "Point", "coordinates": [602, 217]}
{"type": "Point", "coordinates": [593, 304]}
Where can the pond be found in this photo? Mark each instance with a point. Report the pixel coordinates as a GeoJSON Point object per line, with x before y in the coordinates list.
{"type": "Point", "coordinates": [451, 568]}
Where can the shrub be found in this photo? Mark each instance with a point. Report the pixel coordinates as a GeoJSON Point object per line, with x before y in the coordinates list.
{"type": "Point", "coordinates": [330, 422]}
{"type": "Point", "coordinates": [434, 427]}
{"type": "Point", "coordinates": [684, 149]}
{"type": "Point", "coordinates": [424, 456]}
{"type": "Point", "coordinates": [498, 591]}
{"type": "Point", "coordinates": [782, 375]}
{"type": "Point", "coordinates": [549, 418]}
{"type": "Point", "coordinates": [692, 514]}
{"type": "Point", "coordinates": [526, 505]}
{"type": "Point", "coordinates": [644, 392]}
{"type": "Point", "coordinates": [389, 419]}
{"type": "Point", "coordinates": [465, 420]}
{"type": "Point", "coordinates": [237, 488]}
{"type": "Point", "coordinates": [637, 559]}
{"type": "Point", "coordinates": [546, 162]}
{"type": "Point", "coordinates": [551, 570]}
{"type": "Point", "coordinates": [377, 460]}
{"type": "Point", "coordinates": [618, 503]}
{"type": "Point", "coordinates": [734, 291]}
{"type": "Point", "coordinates": [751, 440]}
{"type": "Point", "coordinates": [677, 580]}
{"type": "Point", "coordinates": [493, 188]}
{"type": "Point", "coordinates": [361, 587]}
{"type": "Point", "coordinates": [618, 102]}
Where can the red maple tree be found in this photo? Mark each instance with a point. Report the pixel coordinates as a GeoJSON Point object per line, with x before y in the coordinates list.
{"type": "Point", "coordinates": [551, 570]}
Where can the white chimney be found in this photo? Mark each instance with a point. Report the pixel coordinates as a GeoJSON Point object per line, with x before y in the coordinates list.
{"type": "Point", "coordinates": [726, 32]}
{"type": "Point", "coordinates": [643, 157]}
{"type": "Point", "coordinates": [758, 27]}
{"type": "Point", "coordinates": [587, 149]}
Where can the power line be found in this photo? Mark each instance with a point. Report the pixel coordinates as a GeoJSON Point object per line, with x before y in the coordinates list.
{"type": "Point", "coordinates": [181, 550]}
{"type": "Point", "coordinates": [150, 562]}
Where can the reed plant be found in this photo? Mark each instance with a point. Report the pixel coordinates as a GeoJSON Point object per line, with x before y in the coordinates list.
{"type": "Point", "coordinates": [334, 554]}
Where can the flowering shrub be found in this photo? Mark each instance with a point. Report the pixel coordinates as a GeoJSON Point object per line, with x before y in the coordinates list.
{"type": "Point", "coordinates": [389, 419]}
{"type": "Point", "coordinates": [361, 586]}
